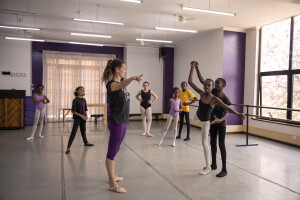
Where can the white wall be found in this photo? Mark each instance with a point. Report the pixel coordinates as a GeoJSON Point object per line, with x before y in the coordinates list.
{"type": "Point", "coordinates": [207, 49]}
{"type": "Point", "coordinates": [15, 56]}
{"type": "Point", "coordinates": [143, 60]}
{"type": "Point", "coordinates": [251, 67]}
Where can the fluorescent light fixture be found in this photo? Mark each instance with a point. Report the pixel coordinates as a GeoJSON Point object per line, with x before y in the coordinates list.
{"type": "Point", "coordinates": [208, 11]}
{"type": "Point", "coordinates": [91, 35]}
{"type": "Point", "coordinates": [26, 39]}
{"type": "Point", "coordinates": [133, 1]}
{"type": "Point", "coordinates": [176, 29]}
{"type": "Point", "coordinates": [83, 43]}
{"type": "Point", "coordinates": [23, 28]}
{"type": "Point", "coordinates": [97, 21]}
{"type": "Point", "coordinates": [150, 40]}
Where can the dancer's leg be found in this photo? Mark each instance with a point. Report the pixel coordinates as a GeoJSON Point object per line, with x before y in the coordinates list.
{"type": "Point", "coordinates": [143, 113]}
{"type": "Point", "coordinates": [175, 124]}
{"type": "Point", "coordinates": [169, 121]}
{"type": "Point", "coordinates": [204, 132]}
{"type": "Point", "coordinates": [36, 120]}
{"type": "Point", "coordinates": [213, 145]}
{"type": "Point", "coordinates": [181, 115]}
{"type": "Point", "coordinates": [149, 121]}
{"type": "Point", "coordinates": [42, 115]}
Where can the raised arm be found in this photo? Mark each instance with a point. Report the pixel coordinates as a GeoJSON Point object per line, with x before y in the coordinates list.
{"type": "Point", "coordinates": [116, 86]}
{"type": "Point", "coordinates": [190, 81]}
{"type": "Point", "coordinates": [137, 96]}
{"type": "Point", "coordinates": [155, 97]}
{"type": "Point", "coordinates": [200, 77]}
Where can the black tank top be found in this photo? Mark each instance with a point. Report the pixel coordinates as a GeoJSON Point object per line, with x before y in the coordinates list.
{"type": "Point", "coordinates": [146, 96]}
{"type": "Point", "coordinates": [204, 111]}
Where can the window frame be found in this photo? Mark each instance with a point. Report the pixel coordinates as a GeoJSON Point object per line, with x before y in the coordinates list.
{"type": "Point", "coordinates": [289, 73]}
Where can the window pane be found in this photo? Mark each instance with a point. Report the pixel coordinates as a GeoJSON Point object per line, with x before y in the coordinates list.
{"type": "Point", "coordinates": [296, 44]}
{"type": "Point", "coordinates": [274, 94]}
{"type": "Point", "coordinates": [275, 46]}
{"type": "Point", "coordinates": [296, 97]}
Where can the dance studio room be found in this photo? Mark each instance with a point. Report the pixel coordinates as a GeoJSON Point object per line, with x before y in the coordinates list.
{"type": "Point", "coordinates": [149, 99]}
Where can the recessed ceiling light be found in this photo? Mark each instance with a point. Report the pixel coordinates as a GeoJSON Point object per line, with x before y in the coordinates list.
{"type": "Point", "coordinates": [176, 29]}
{"type": "Point", "coordinates": [97, 21]}
{"type": "Point", "coordinates": [151, 40]}
{"type": "Point", "coordinates": [83, 43]}
{"type": "Point", "coordinates": [91, 35]}
{"type": "Point", "coordinates": [207, 11]}
{"type": "Point", "coordinates": [23, 28]}
{"type": "Point", "coordinates": [132, 1]}
{"type": "Point", "coordinates": [25, 39]}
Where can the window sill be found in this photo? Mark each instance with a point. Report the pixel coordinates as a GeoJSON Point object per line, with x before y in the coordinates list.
{"type": "Point", "coordinates": [277, 121]}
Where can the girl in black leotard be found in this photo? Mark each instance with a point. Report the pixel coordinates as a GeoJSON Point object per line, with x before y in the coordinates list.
{"type": "Point", "coordinates": [145, 107]}
{"type": "Point", "coordinates": [206, 104]}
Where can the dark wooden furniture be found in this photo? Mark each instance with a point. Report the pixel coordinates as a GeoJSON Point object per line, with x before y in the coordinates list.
{"type": "Point", "coordinates": [12, 109]}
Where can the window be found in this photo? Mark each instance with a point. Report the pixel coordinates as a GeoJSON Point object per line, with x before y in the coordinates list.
{"type": "Point", "coordinates": [64, 71]}
{"type": "Point", "coordinates": [279, 69]}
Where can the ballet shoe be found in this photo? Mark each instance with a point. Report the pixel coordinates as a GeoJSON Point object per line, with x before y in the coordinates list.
{"type": "Point", "coordinates": [159, 143]}
{"type": "Point", "coordinates": [173, 145]}
{"type": "Point", "coordinates": [221, 174]}
{"type": "Point", "coordinates": [117, 189]}
{"type": "Point", "coordinates": [205, 171]}
{"type": "Point", "coordinates": [40, 136]}
{"type": "Point", "coordinates": [149, 135]}
{"type": "Point", "coordinates": [68, 151]}
{"type": "Point", "coordinates": [30, 138]}
{"type": "Point", "coordinates": [143, 134]}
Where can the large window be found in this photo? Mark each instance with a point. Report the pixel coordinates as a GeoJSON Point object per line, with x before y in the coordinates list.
{"type": "Point", "coordinates": [64, 71]}
{"type": "Point", "coordinates": [279, 69]}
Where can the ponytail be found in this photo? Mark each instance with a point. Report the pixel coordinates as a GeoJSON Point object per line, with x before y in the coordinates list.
{"type": "Point", "coordinates": [110, 69]}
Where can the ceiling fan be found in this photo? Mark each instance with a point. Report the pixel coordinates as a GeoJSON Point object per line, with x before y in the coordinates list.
{"type": "Point", "coordinates": [183, 19]}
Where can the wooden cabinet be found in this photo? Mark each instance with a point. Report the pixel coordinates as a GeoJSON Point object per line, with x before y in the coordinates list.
{"type": "Point", "coordinates": [12, 109]}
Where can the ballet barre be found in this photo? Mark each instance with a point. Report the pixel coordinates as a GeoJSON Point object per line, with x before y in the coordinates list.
{"type": "Point", "coordinates": [104, 106]}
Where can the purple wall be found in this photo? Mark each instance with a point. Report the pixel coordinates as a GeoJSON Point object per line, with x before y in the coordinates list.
{"type": "Point", "coordinates": [37, 55]}
{"type": "Point", "coordinates": [168, 78]}
{"type": "Point", "coordinates": [234, 47]}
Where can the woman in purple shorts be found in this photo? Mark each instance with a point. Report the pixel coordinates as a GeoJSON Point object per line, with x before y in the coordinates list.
{"type": "Point", "coordinates": [118, 118]}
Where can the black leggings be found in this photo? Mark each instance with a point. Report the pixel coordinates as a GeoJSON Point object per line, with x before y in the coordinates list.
{"type": "Point", "coordinates": [187, 120]}
{"type": "Point", "coordinates": [214, 132]}
{"type": "Point", "coordinates": [77, 122]}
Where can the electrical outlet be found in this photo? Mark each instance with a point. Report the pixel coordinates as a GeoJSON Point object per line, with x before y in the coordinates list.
{"type": "Point", "coordinates": [294, 137]}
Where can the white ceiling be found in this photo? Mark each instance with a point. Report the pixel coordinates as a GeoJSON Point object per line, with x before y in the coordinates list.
{"type": "Point", "coordinates": [54, 17]}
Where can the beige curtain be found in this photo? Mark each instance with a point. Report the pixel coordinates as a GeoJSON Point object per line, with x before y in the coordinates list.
{"type": "Point", "coordinates": [64, 71]}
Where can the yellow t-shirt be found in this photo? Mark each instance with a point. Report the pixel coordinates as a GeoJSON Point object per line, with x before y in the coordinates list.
{"type": "Point", "coordinates": [185, 97]}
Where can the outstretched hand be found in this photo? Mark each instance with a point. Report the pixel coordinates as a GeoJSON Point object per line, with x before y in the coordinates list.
{"type": "Point", "coordinates": [241, 115]}
{"type": "Point", "coordinates": [138, 78]}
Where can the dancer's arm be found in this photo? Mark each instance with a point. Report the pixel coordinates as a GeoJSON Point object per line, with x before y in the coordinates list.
{"type": "Point", "coordinates": [47, 100]}
{"type": "Point", "coordinates": [35, 101]}
{"type": "Point", "coordinates": [170, 101]}
{"type": "Point", "coordinates": [223, 105]}
{"type": "Point", "coordinates": [190, 81]}
{"type": "Point", "coordinates": [155, 97]}
{"type": "Point", "coordinates": [200, 77]}
{"type": "Point", "coordinates": [217, 120]}
{"type": "Point", "coordinates": [137, 96]}
{"type": "Point", "coordinates": [116, 86]}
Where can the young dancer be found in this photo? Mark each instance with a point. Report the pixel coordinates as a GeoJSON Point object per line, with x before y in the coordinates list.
{"type": "Point", "coordinates": [79, 110]}
{"type": "Point", "coordinates": [145, 107]}
{"type": "Point", "coordinates": [118, 118]}
{"type": "Point", "coordinates": [218, 123]}
{"type": "Point", "coordinates": [175, 109]}
{"type": "Point", "coordinates": [185, 95]}
{"type": "Point", "coordinates": [39, 100]}
{"type": "Point", "coordinates": [206, 104]}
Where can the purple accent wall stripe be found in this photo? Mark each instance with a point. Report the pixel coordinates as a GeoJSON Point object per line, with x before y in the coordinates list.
{"type": "Point", "coordinates": [234, 47]}
{"type": "Point", "coordinates": [37, 55]}
{"type": "Point", "coordinates": [168, 78]}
